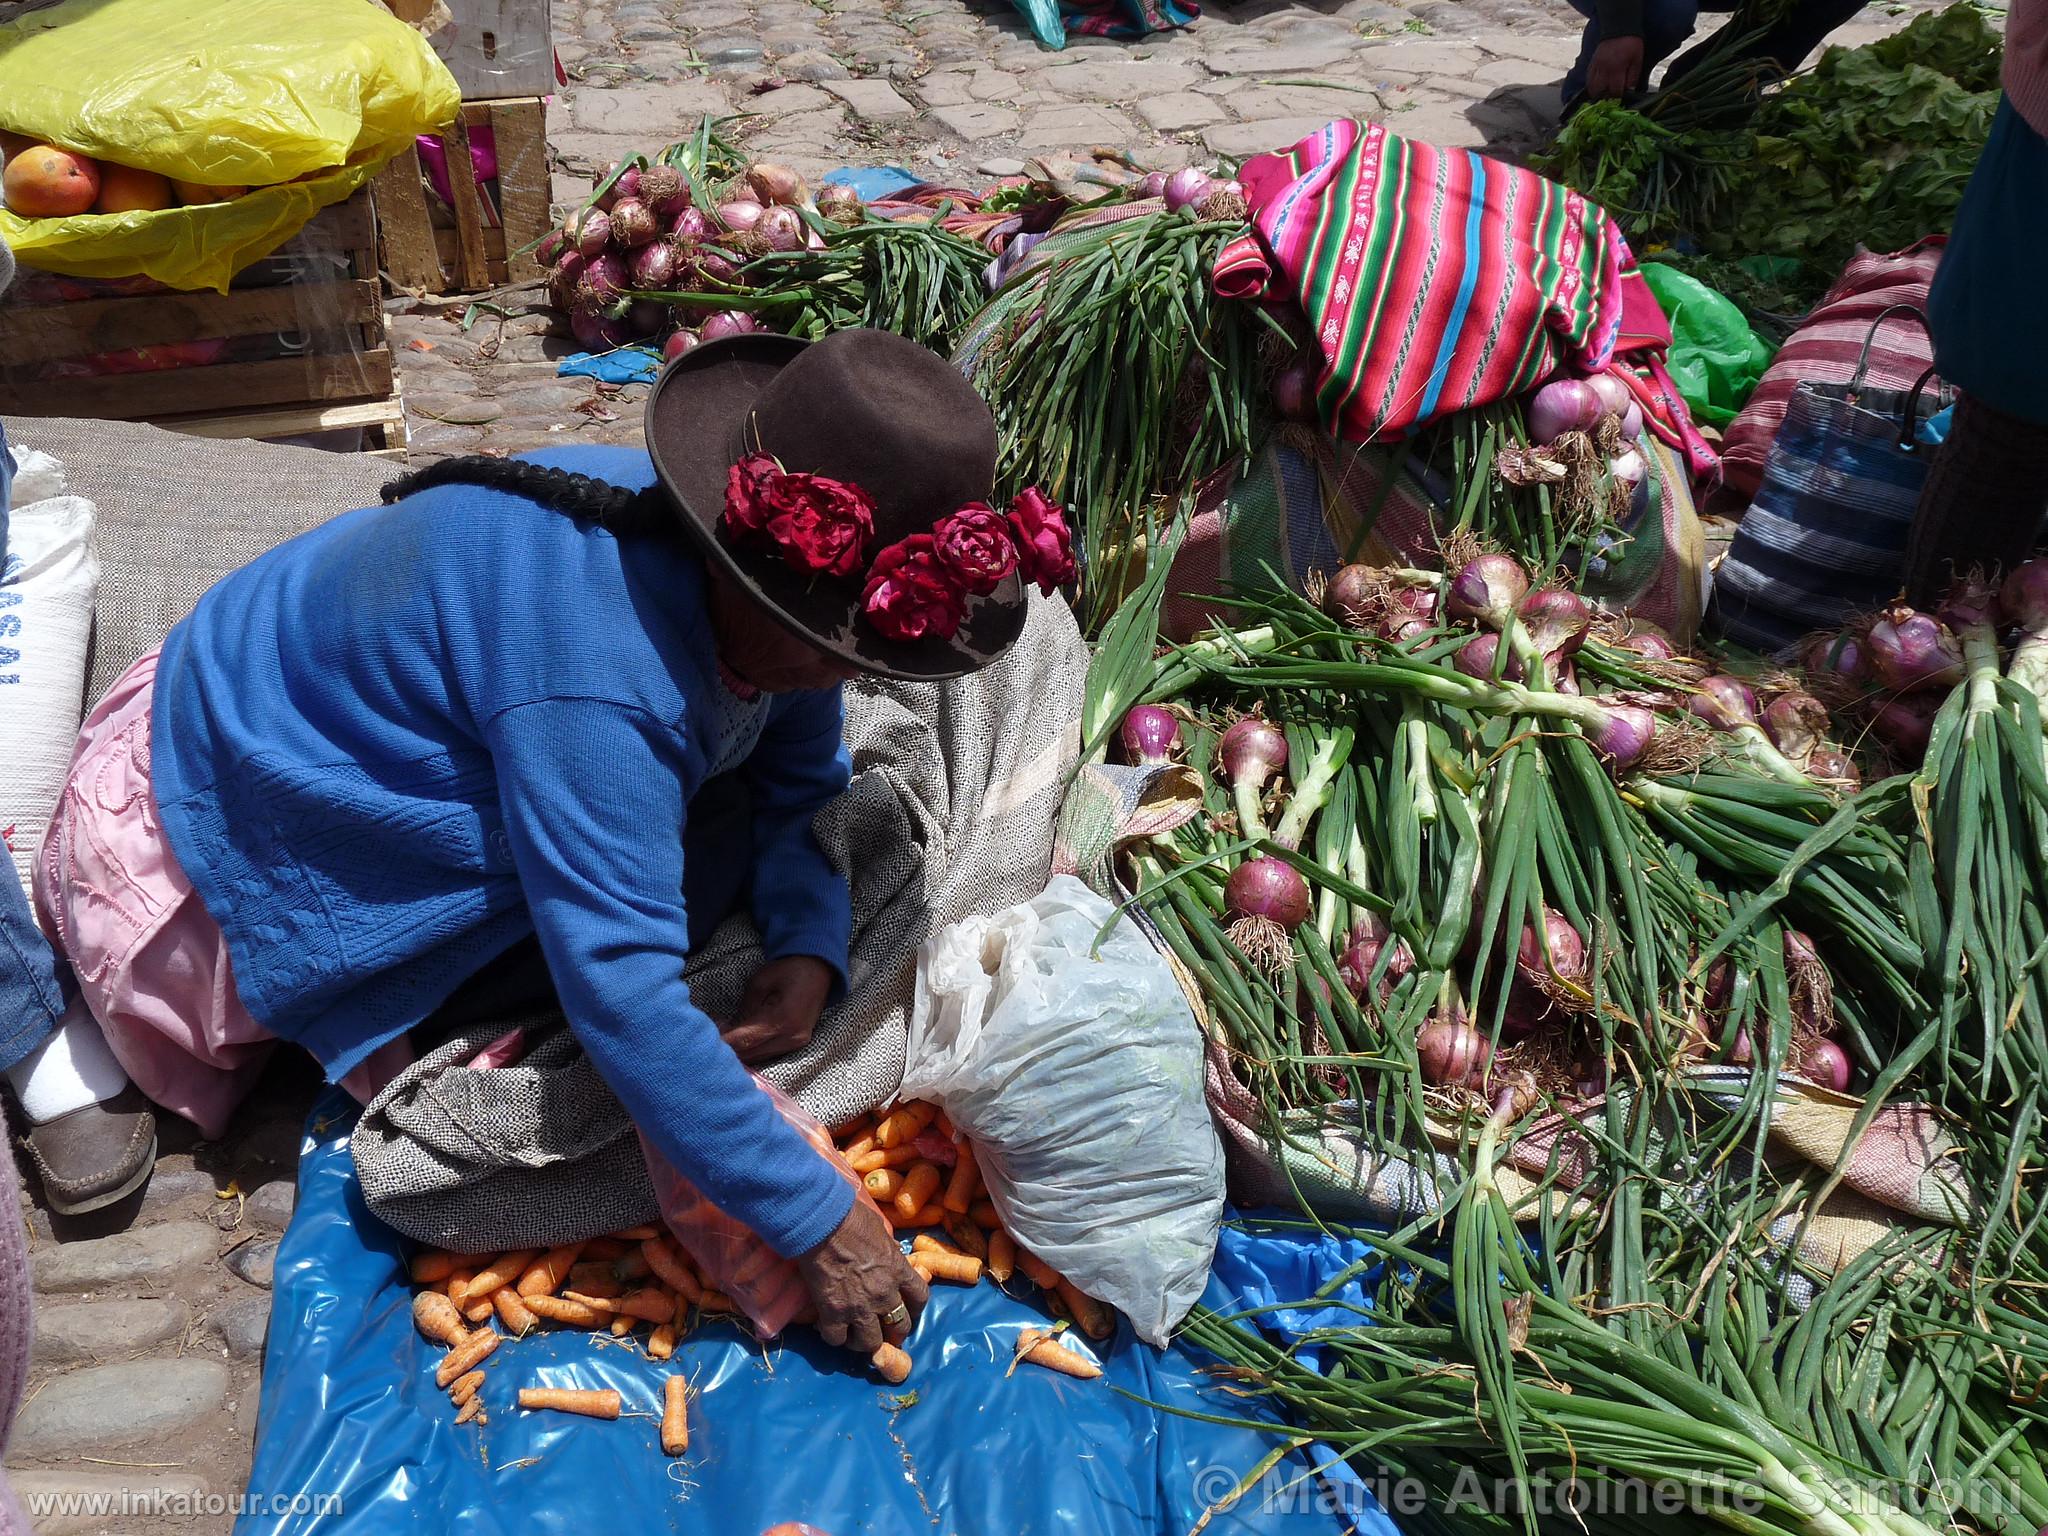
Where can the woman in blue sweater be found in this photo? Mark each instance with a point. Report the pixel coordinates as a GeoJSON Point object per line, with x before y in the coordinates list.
{"type": "Point", "coordinates": [382, 755]}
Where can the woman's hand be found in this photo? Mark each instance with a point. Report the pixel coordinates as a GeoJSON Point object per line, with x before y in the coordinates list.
{"type": "Point", "coordinates": [782, 1007]}
{"type": "Point", "coordinates": [1616, 69]}
{"type": "Point", "coordinates": [866, 1292]}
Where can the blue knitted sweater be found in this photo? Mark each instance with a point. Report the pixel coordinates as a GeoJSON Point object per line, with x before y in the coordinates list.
{"type": "Point", "coordinates": [389, 749]}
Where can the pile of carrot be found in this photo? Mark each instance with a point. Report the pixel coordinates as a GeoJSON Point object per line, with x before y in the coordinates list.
{"type": "Point", "coordinates": [919, 1170]}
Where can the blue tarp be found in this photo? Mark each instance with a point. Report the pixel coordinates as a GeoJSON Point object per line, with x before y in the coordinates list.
{"type": "Point", "coordinates": [624, 365]}
{"type": "Point", "coordinates": [795, 1432]}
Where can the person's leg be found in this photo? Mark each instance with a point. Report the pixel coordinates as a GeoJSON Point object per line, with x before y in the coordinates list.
{"type": "Point", "coordinates": [32, 978]}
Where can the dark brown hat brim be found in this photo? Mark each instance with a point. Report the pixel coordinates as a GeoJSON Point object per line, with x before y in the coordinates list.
{"type": "Point", "coordinates": [694, 423]}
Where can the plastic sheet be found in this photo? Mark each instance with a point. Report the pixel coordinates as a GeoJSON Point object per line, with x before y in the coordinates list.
{"type": "Point", "coordinates": [797, 1433]}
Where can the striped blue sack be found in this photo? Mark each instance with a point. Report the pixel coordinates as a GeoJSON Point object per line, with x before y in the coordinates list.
{"type": "Point", "coordinates": [1825, 538]}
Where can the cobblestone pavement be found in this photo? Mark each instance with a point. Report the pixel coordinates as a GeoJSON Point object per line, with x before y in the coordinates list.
{"type": "Point", "coordinates": [151, 1316]}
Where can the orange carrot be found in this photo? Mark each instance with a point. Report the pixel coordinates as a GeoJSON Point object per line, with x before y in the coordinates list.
{"type": "Point", "coordinates": [892, 1363]}
{"type": "Point", "coordinates": [967, 1237]}
{"type": "Point", "coordinates": [608, 1305]}
{"type": "Point", "coordinates": [500, 1272]}
{"type": "Point", "coordinates": [512, 1312]}
{"type": "Point", "coordinates": [943, 1265]}
{"type": "Point", "coordinates": [456, 1287]}
{"type": "Point", "coordinates": [1091, 1314]}
{"type": "Point", "coordinates": [594, 1279]}
{"type": "Point", "coordinates": [630, 1267]}
{"type": "Point", "coordinates": [650, 1304]}
{"type": "Point", "coordinates": [603, 1249]}
{"type": "Point", "coordinates": [924, 1242]}
{"type": "Point", "coordinates": [638, 1234]}
{"type": "Point", "coordinates": [473, 1409]}
{"type": "Point", "coordinates": [465, 1357]}
{"type": "Point", "coordinates": [432, 1267]}
{"type": "Point", "coordinates": [905, 1123]}
{"type": "Point", "coordinates": [930, 1215]}
{"type": "Point", "coordinates": [884, 1184]}
{"type": "Point", "coordinates": [1040, 1273]}
{"type": "Point", "coordinates": [1002, 1256]}
{"type": "Point", "coordinates": [675, 1416]}
{"type": "Point", "coordinates": [960, 1188]}
{"type": "Point", "coordinates": [859, 1147]}
{"type": "Point", "coordinates": [943, 1124]}
{"type": "Point", "coordinates": [983, 1214]}
{"type": "Point", "coordinates": [661, 1343]}
{"type": "Point", "coordinates": [919, 1185]}
{"type": "Point", "coordinates": [545, 1277]}
{"type": "Point", "coordinates": [892, 1157]}
{"type": "Point", "coordinates": [465, 1388]}
{"type": "Point", "coordinates": [557, 1309]}
{"type": "Point", "coordinates": [596, 1405]}
{"type": "Point", "coordinates": [480, 1310]}
{"type": "Point", "coordinates": [1040, 1348]}
{"type": "Point", "coordinates": [715, 1301]}
{"type": "Point", "coordinates": [671, 1267]}
{"type": "Point", "coordinates": [621, 1326]}
{"type": "Point", "coordinates": [436, 1317]}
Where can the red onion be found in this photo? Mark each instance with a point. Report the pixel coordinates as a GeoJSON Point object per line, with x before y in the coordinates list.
{"type": "Point", "coordinates": [647, 317]}
{"type": "Point", "coordinates": [1827, 1064]}
{"type": "Point", "coordinates": [1294, 391]}
{"type": "Point", "coordinates": [1149, 735]}
{"type": "Point", "coordinates": [690, 224]}
{"type": "Point", "coordinates": [1910, 650]}
{"type": "Point", "coordinates": [1830, 765]}
{"type": "Point", "coordinates": [1904, 724]}
{"type": "Point", "coordinates": [1556, 620]}
{"type": "Point", "coordinates": [740, 214]}
{"type": "Point", "coordinates": [1564, 677]}
{"type": "Point", "coordinates": [1840, 656]}
{"type": "Point", "coordinates": [782, 227]}
{"type": "Point", "coordinates": [680, 344]}
{"type": "Point", "coordinates": [1723, 702]}
{"type": "Point", "coordinates": [717, 265]}
{"type": "Point", "coordinates": [1370, 938]}
{"type": "Point", "coordinates": [2023, 597]}
{"type": "Point", "coordinates": [654, 265]}
{"type": "Point", "coordinates": [1796, 723]}
{"type": "Point", "coordinates": [775, 184]}
{"type": "Point", "coordinates": [1624, 734]}
{"type": "Point", "coordinates": [1452, 1054]}
{"type": "Point", "coordinates": [568, 272]}
{"type": "Point", "coordinates": [594, 233]}
{"type": "Point", "coordinates": [1969, 602]}
{"type": "Point", "coordinates": [1353, 595]}
{"type": "Point", "coordinates": [598, 332]}
{"type": "Point", "coordinates": [633, 224]}
{"type": "Point", "coordinates": [607, 276]}
{"type": "Point", "coordinates": [628, 184]}
{"type": "Point", "coordinates": [1649, 646]}
{"type": "Point", "coordinates": [727, 322]}
{"type": "Point", "coordinates": [1251, 751]}
{"type": "Point", "coordinates": [1629, 467]}
{"type": "Point", "coordinates": [1740, 1051]}
{"type": "Point", "coordinates": [1187, 187]}
{"type": "Point", "coordinates": [551, 246]}
{"type": "Point", "coordinates": [1151, 184]}
{"type": "Point", "coordinates": [1558, 954]}
{"type": "Point", "coordinates": [1479, 656]}
{"type": "Point", "coordinates": [1614, 396]}
{"type": "Point", "coordinates": [1488, 590]}
{"type": "Point", "coordinates": [840, 203]}
{"type": "Point", "coordinates": [1269, 888]}
{"type": "Point", "coordinates": [664, 189]}
{"type": "Point", "coordinates": [1632, 422]}
{"type": "Point", "coordinates": [1561, 406]}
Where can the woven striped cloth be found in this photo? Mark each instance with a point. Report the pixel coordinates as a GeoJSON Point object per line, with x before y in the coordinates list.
{"type": "Point", "coordinates": [1433, 279]}
{"type": "Point", "coordinates": [1052, 20]}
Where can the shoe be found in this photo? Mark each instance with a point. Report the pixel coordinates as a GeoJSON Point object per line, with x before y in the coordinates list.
{"type": "Point", "coordinates": [95, 1156]}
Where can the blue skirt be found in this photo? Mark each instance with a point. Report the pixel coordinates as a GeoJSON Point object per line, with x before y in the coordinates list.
{"type": "Point", "coordinates": [1989, 303]}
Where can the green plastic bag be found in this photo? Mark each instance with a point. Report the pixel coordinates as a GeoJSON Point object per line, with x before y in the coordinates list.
{"type": "Point", "coordinates": [1716, 360]}
{"type": "Point", "coordinates": [301, 100]}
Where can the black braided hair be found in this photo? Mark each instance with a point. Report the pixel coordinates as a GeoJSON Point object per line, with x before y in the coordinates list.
{"type": "Point", "coordinates": [612, 507]}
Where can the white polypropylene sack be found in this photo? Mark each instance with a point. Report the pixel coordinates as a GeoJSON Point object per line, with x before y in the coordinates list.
{"type": "Point", "coordinates": [1076, 1069]}
{"type": "Point", "coordinates": [47, 587]}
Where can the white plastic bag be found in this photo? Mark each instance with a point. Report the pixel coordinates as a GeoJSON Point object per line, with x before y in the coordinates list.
{"type": "Point", "coordinates": [1076, 1068]}
{"type": "Point", "coordinates": [49, 576]}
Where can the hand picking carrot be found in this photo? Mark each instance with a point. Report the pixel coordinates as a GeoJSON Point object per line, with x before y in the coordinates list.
{"type": "Point", "coordinates": [638, 1234]}
{"type": "Point", "coordinates": [966, 1236]}
{"type": "Point", "coordinates": [943, 1265]}
{"type": "Point", "coordinates": [675, 1416]}
{"type": "Point", "coordinates": [596, 1405]}
{"type": "Point", "coordinates": [919, 1185]}
{"type": "Point", "coordinates": [1040, 1273]}
{"type": "Point", "coordinates": [670, 1267]}
{"type": "Point", "coordinates": [1040, 1348]}
{"type": "Point", "coordinates": [884, 1184]}
{"type": "Point", "coordinates": [557, 1309]}
{"type": "Point", "coordinates": [960, 1188]}
{"type": "Point", "coordinates": [515, 1314]}
{"type": "Point", "coordinates": [473, 1409]}
{"type": "Point", "coordinates": [432, 1267]}
{"type": "Point", "coordinates": [435, 1316]}
{"type": "Point", "coordinates": [1002, 1256]}
{"type": "Point", "coordinates": [892, 1363]}
{"type": "Point", "coordinates": [904, 1123]}
{"type": "Point", "coordinates": [500, 1272]}
{"type": "Point", "coordinates": [545, 1277]}
{"type": "Point", "coordinates": [465, 1357]}
{"type": "Point", "coordinates": [1091, 1314]}
{"type": "Point", "coordinates": [465, 1387]}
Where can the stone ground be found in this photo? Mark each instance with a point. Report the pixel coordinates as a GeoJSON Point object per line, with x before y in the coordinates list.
{"type": "Point", "coordinates": [151, 1316]}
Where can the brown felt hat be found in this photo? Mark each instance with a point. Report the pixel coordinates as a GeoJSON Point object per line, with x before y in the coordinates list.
{"type": "Point", "coordinates": [862, 406]}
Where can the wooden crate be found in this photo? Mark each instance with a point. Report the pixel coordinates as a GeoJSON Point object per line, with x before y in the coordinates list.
{"type": "Point", "coordinates": [332, 369]}
{"type": "Point", "coordinates": [467, 253]}
{"type": "Point", "coordinates": [498, 48]}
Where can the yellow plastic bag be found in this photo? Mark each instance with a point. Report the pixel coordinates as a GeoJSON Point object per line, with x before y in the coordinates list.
{"type": "Point", "coordinates": [257, 93]}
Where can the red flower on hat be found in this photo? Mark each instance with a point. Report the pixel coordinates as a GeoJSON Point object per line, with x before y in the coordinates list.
{"type": "Point", "coordinates": [822, 526]}
{"type": "Point", "coordinates": [1044, 543]}
{"type": "Point", "coordinates": [976, 546]}
{"type": "Point", "coordinates": [911, 594]}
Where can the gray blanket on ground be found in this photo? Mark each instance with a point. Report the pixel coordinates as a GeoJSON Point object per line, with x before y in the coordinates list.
{"type": "Point", "coordinates": [951, 809]}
